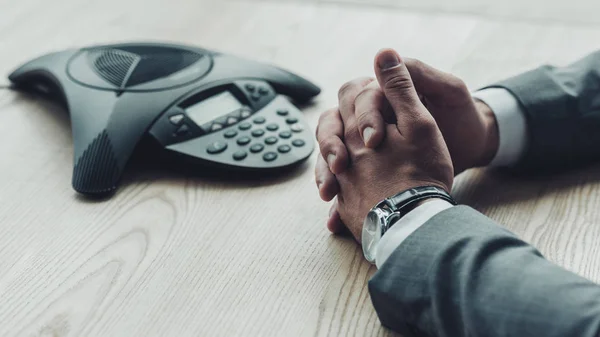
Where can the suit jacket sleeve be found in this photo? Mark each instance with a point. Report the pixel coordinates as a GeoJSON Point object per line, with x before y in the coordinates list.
{"type": "Point", "coordinates": [562, 108]}
{"type": "Point", "coordinates": [461, 274]}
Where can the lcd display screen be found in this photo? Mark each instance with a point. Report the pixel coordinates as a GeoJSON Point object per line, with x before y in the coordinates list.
{"type": "Point", "coordinates": [213, 107]}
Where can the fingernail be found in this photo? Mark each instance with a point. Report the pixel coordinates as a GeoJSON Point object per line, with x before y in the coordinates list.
{"type": "Point", "coordinates": [368, 133]}
{"type": "Point", "coordinates": [330, 160]}
{"type": "Point", "coordinates": [388, 59]}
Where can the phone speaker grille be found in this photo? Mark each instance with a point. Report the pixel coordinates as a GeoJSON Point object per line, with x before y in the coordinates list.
{"type": "Point", "coordinates": [129, 66]}
{"type": "Point", "coordinates": [113, 65]}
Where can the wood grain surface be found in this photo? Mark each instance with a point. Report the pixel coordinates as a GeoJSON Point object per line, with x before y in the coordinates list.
{"type": "Point", "coordinates": [180, 254]}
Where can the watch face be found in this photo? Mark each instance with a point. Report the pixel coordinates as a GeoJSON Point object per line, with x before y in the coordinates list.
{"type": "Point", "coordinates": [371, 233]}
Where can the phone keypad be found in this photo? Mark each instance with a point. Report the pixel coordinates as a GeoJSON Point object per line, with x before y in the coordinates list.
{"type": "Point", "coordinates": [274, 137]}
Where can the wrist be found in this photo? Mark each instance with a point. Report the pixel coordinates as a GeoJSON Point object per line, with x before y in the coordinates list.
{"type": "Point", "coordinates": [491, 132]}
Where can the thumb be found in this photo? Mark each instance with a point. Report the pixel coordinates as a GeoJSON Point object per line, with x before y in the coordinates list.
{"type": "Point", "coordinates": [396, 82]}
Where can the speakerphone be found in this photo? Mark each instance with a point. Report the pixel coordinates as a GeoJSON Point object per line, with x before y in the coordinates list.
{"type": "Point", "coordinates": [220, 110]}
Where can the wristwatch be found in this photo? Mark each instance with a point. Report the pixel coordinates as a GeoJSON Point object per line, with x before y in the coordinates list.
{"type": "Point", "coordinates": [387, 212]}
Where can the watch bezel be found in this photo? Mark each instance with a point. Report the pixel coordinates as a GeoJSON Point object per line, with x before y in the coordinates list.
{"type": "Point", "coordinates": [370, 251]}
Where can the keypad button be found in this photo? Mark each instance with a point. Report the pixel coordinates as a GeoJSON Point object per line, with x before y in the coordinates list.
{"type": "Point", "coordinates": [182, 130]}
{"type": "Point", "coordinates": [216, 147]}
{"type": "Point", "coordinates": [259, 120]}
{"type": "Point", "coordinates": [258, 132]}
{"type": "Point", "coordinates": [263, 90]}
{"type": "Point", "coordinates": [240, 155]}
{"type": "Point", "coordinates": [270, 156]}
{"type": "Point", "coordinates": [245, 126]}
{"type": "Point", "coordinates": [245, 113]}
{"type": "Point", "coordinates": [256, 148]}
{"type": "Point", "coordinates": [271, 140]}
{"type": "Point", "coordinates": [291, 120]}
{"type": "Point", "coordinates": [216, 127]}
{"type": "Point", "coordinates": [243, 140]}
{"type": "Point", "coordinates": [285, 134]}
{"type": "Point", "coordinates": [282, 112]}
{"type": "Point", "coordinates": [230, 133]}
{"type": "Point", "coordinates": [272, 127]}
{"type": "Point", "coordinates": [231, 120]}
{"type": "Point", "coordinates": [284, 148]}
{"type": "Point", "coordinates": [298, 142]}
{"type": "Point", "coordinates": [176, 119]}
{"type": "Point", "coordinates": [297, 128]}
{"type": "Point", "coordinates": [256, 96]}
{"type": "Point", "coordinates": [250, 87]}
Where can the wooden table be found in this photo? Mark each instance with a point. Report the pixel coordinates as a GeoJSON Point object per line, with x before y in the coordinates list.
{"type": "Point", "coordinates": [168, 255]}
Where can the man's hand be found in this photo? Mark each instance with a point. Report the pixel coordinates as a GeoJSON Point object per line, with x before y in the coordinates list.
{"type": "Point", "coordinates": [468, 126]}
{"type": "Point", "coordinates": [411, 152]}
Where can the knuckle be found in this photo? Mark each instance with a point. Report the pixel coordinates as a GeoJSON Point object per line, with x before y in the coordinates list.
{"type": "Point", "coordinates": [351, 87]}
{"type": "Point", "coordinates": [345, 89]}
{"type": "Point", "coordinates": [351, 131]}
{"type": "Point", "coordinates": [327, 144]}
{"type": "Point", "coordinates": [424, 128]}
{"type": "Point", "coordinates": [418, 64]}
{"type": "Point", "coordinates": [367, 117]}
{"type": "Point", "coordinates": [457, 85]}
{"type": "Point", "coordinates": [326, 115]}
{"type": "Point", "coordinates": [324, 119]}
{"type": "Point", "coordinates": [367, 93]}
{"type": "Point", "coordinates": [399, 82]}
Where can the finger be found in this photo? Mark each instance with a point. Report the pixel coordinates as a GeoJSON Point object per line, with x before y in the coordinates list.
{"type": "Point", "coordinates": [369, 109]}
{"type": "Point", "coordinates": [397, 85]}
{"type": "Point", "coordinates": [329, 136]}
{"type": "Point", "coordinates": [434, 83]}
{"type": "Point", "coordinates": [347, 95]}
{"type": "Point", "coordinates": [326, 182]}
{"type": "Point", "coordinates": [334, 223]}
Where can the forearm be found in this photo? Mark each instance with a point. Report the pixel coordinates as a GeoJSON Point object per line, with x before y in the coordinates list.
{"type": "Point", "coordinates": [462, 275]}
{"type": "Point", "coordinates": [562, 109]}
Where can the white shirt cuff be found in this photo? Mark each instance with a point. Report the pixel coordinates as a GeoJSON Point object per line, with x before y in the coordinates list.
{"type": "Point", "coordinates": [406, 226]}
{"type": "Point", "coordinates": [512, 126]}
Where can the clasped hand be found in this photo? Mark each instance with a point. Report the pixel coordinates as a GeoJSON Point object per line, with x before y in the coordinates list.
{"type": "Point", "coordinates": [396, 132]}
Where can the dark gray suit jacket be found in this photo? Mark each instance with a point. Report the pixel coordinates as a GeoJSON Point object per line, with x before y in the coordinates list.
{"type": "Point", "coordinates": [461, 274]}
